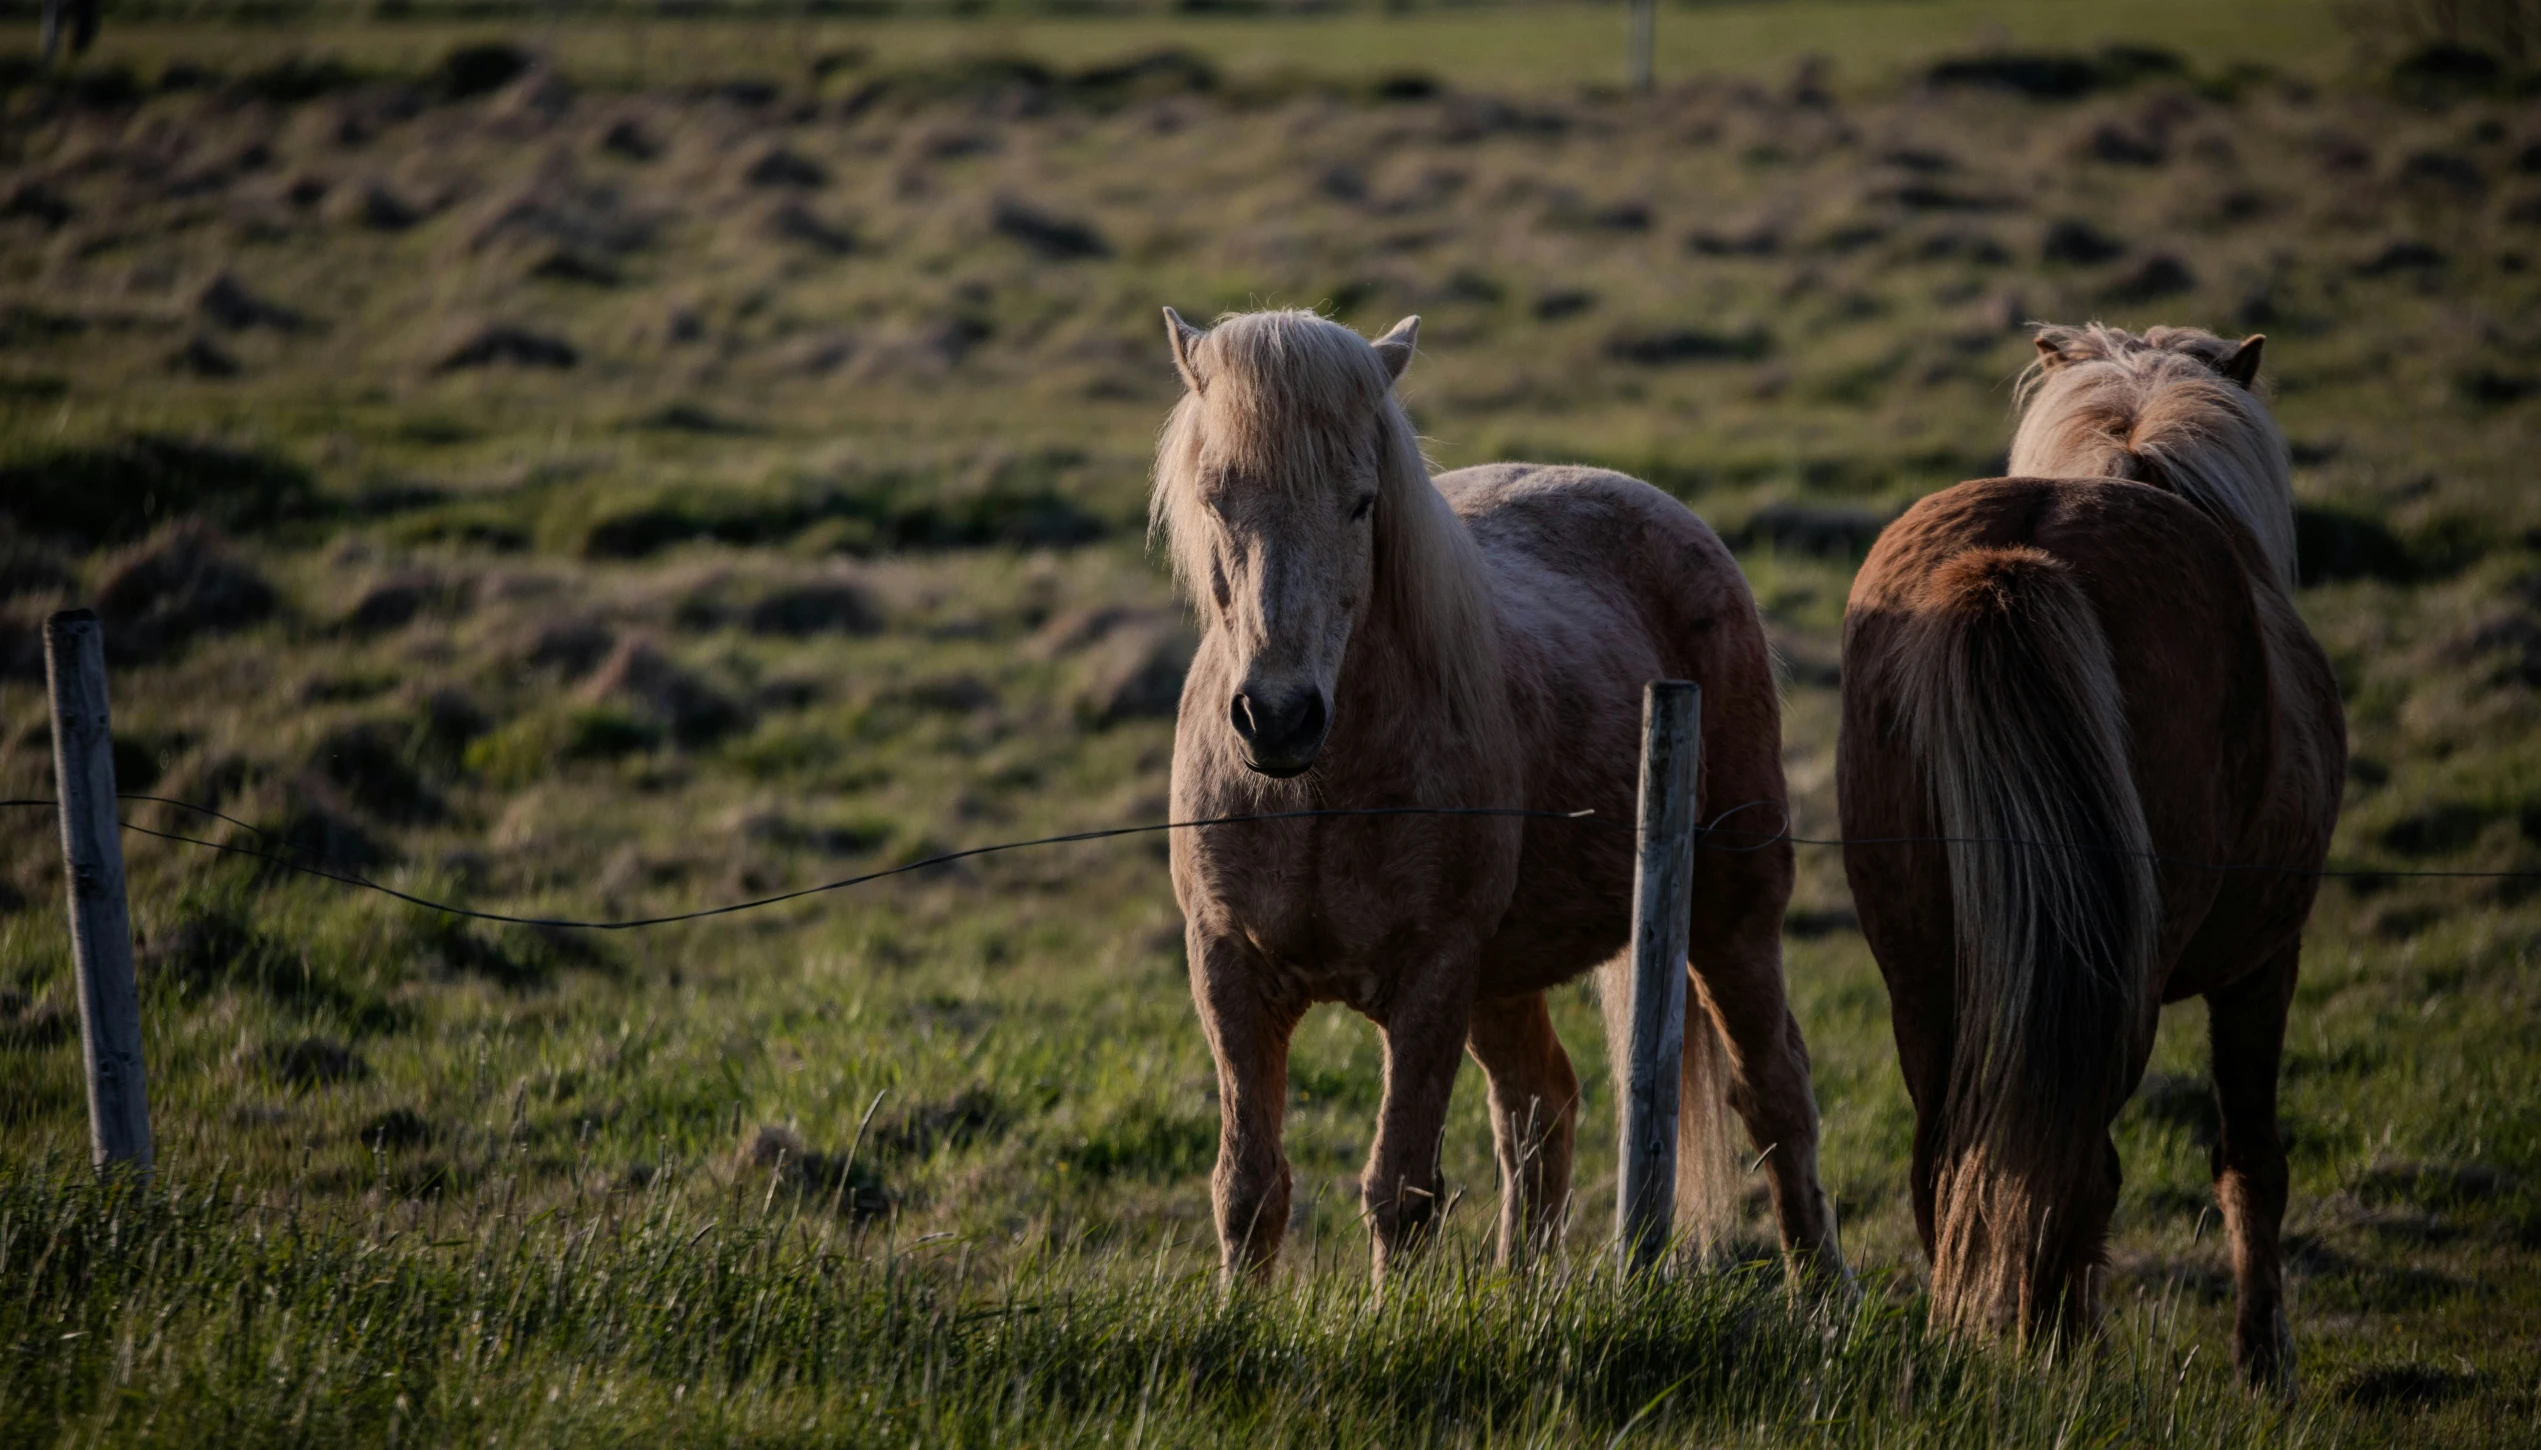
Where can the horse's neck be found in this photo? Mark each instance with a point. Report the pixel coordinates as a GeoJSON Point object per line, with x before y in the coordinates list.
{"type": "Point", "coordinates": [1395, 732]}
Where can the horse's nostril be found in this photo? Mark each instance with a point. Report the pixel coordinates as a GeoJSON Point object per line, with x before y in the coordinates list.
{"type": "Point", "coordinates": [1279, 727]}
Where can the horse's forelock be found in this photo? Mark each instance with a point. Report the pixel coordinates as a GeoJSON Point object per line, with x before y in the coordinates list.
{"type": "Point", "coordinates": [1290, 399]}
{"type": "Point", "coordinates": [1293, 388]}
{"type": "Point", "coordinates": [1287, 401]}
{"type": "Point", "coordinates": [2155, 409]}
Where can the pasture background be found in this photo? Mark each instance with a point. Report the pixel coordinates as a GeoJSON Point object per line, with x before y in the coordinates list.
{"type": "Point", "coordinates": [713, 462]}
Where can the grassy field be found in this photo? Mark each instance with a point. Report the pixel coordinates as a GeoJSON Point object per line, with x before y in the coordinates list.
{"type": "Point", "coordinates": [1518, 45]}
{"type": "Point", "coordinates": [714, 462]}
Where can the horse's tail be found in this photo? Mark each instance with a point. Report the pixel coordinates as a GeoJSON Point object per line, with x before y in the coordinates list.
{"type": "Point", "coordinates": [2013, 708]}
{"type": "Point", "coordinates": [1710, 1190]}
{"type": "Point", "coordinates": [1709, 1186]}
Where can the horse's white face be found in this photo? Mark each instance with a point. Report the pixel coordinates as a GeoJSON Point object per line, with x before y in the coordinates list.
{"type": "Point", "coordinates": [1289, 551]}
{"type": "Point", "coordinates": [1289, 565]}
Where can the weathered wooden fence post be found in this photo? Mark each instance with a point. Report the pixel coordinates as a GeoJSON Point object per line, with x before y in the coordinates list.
{"type": "Point", "coordinates": [93, 858]}
{"type": "Point", "coordinates": [1662, 895]}
{"type": "Point", "coordinates": [1640, 33]}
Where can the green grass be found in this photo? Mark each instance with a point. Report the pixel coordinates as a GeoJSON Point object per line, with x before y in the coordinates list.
{"type": "Point", "coordinates": [825, 553]}
{"type": "Point", "coordinates": [617, 1315]}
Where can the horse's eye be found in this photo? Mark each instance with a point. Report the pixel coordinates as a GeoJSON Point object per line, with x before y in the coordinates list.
{"type": "Point", "coordinates": [1360, 510]}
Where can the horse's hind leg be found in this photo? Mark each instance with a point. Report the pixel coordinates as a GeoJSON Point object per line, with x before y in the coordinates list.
{"type": "Point", "coordinates": [1740, 973]}
{"type": "Point", "coordinates": [2245, 1031]}
{"type": "Point", "coordinates": [1534, 1101]}
{"type": "Point", "coordinates": [1248, 1027]}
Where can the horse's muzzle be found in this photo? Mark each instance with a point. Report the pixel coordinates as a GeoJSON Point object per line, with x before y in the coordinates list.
{"type": "Point", "coordinates": [1282, 733]}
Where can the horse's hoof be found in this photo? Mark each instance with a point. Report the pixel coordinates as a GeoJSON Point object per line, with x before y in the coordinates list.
{"type": "Point", "coordinates": [2265, 1358]}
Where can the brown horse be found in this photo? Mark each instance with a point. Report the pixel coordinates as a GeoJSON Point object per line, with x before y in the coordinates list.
{"type": "Point", "coordinates": [2089, 679]}
{"type": "Point", "coordinates": [1374, 639]}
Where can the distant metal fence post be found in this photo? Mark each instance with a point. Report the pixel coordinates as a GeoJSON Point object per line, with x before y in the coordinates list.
{"type": "Point", "coordinates": [1662, 895]}
{"type": "Point", "coordinates": [1640, 29]}
{"type": "Point", "coordinates": [92, 853]}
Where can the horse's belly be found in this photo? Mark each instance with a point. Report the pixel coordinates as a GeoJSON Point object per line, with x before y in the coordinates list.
{"type": "Point", "coordinates": [1516, 963]}
{"type": "Point", "coordinates": [1571, 911]}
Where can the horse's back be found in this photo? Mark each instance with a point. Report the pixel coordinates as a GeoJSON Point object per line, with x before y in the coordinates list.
{"type": "Point", "coordinates": [1595, 570]}
{"type": "Point", "coordinates": [1592, 524]}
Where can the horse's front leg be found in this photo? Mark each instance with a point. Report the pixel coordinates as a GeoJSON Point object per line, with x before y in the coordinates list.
{"type": "Point", "coordinates": [1424, 1022]}
{"type": "Point", "coordinates": [1248, 1022]}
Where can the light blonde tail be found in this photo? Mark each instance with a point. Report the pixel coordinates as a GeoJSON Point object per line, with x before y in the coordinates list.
{"type": "Point", "coordinates": [1710, 1189]}
{"type": "Point", "coordinates": [1709, 1185]}
{"type": "Point", "coordinates": [2013, 708]}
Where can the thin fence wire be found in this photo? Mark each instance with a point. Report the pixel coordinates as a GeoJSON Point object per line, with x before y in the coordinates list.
{"type": "Point", "coordinates": [1713, 835]}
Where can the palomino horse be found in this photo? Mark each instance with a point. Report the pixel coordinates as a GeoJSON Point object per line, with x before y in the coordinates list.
{"type": "Point", "coordinates": [2089, 680]}
{"type": "Point", "coordinates": [1375, 640]}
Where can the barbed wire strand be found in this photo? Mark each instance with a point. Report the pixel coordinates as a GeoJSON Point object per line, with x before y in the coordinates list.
{"type": "Point", "coordinates": [1705, 838]}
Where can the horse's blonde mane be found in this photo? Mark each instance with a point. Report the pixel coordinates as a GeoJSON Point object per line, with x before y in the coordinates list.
{"type": "Point", "coordinates": [2104, 403]}
{"type": "Point", "coordinates": [1291, 397]}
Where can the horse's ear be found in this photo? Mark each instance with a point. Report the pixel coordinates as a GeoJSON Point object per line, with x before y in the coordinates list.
{"type": "Point", "coordinates": [2243, 366]}
{"type": "Point", "coordinates": [1185, 340]}
{"type": "Point", "coordinates": [2051, 353]}
{"type": "Point", "coordinates": [1394, 349]}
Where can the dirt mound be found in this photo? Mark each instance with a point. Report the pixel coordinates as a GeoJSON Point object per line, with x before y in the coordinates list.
{"type": "Point", "coordinates": [309, 1062]}
{"type": "Point", "coordinates": [182, 582]}
{"type": "Point", "coordinates": [226, 302]}
{"type": "Point", "coordinates": [794, 222]}
{"type": "Point", "coordinates": [632, 139]}
{"type": "Point", "coordinates": [36, 201]}
{"type": "Point", "coordinates": [371, 762]}
{"type": "Point", "coordinates": [117, 491]}
{"type": "Point", "coordinates": [393, 600]}
{"type": "Point", "coordinates": [2159, 276]}
{"type": "Point", "coordinates": [639, 674]}
{"type": "Point", "coordinates": [1051, 237]}
{"type": "Point", "coordinates": [203, 358]}
{"type": "Point", "coordinates": [840, 606]}
{"type": "Point", "coordinates": [570, 647]}
{"type": "Point", "coordinates": [30, 1023]}
{"type": "Point", "coordinates": [538, 97]}
{"type": "Point", "coordinates": [315, 830]}
{"type": "Point", "coordinates": [923, 348]}
{"type": "Point", "coordinates": [558, 206]}
{"type": "Point", "coordinates": [28, 566]}
{"type": "Point", "coordinates": [2078, 243]}
{"type": "Point", "coordinates": [21, 645]}
{"type": "Point", "coordinates": [1668, 346]}
{"type": "Point", "coordinates": [1134, 660]}
{"type": "Point", "coordinates": [2055, 75]}
{"type": "Point", "coordinates": [372, 204]}
{"type": "Point", "coordinates": [503, 342]}
{"type": "Point", "coordinates": [782, 166]}
{"type": "Point", "coordinates": [476, 70]}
